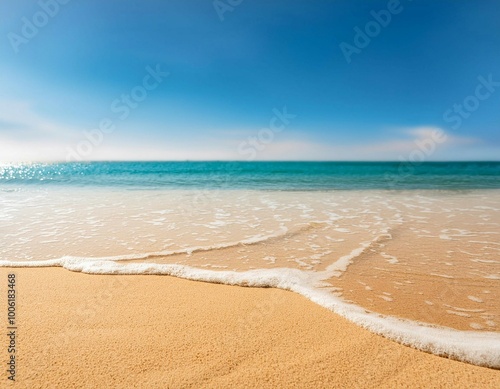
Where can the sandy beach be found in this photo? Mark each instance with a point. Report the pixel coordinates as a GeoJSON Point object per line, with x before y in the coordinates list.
{"type": "Point", "coordinates": [249, 194]}
{"type": "Point", "coordinates": [98, 331]}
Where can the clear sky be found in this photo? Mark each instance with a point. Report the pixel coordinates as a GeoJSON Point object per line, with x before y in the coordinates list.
{"type": "Point", "coordinates": [231, 79]}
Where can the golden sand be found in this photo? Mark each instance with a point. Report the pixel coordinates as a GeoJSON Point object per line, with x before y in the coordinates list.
{"type": "Point", "coordinates": [92, 331]}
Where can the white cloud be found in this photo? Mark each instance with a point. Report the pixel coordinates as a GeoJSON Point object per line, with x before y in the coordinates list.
{"type": "Point", "coordinates": [27, 136]}
{"type": "Point", "coordinates": [24, 122]}
{"type": "Point", "coordinates": [402, 146]}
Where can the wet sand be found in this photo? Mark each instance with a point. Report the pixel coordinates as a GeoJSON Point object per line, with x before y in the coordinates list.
{"type": "Point", "coordinates": [98, 331]}
{"type": "Point", "coordinates": [434, 251]}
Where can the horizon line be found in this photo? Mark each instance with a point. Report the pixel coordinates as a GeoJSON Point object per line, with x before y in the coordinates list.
{"type": "Point", "coordinates": [245, 161]}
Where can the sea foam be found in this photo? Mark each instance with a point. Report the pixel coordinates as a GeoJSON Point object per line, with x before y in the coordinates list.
{"type": "Point", "coordinates": [374, 230]}
{"type": "Point", "coordinates": [478, 348]}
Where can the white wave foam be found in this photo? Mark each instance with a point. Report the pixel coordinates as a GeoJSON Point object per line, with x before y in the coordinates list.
{"type": "Point", "coordinates": [479, 348]}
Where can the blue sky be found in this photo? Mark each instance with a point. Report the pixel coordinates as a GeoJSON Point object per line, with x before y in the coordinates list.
{"type": "Point", "coordinates": [233, 69]}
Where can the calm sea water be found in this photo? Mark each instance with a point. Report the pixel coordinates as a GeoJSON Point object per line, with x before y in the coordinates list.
{"type": "Point", "coordinates": [257, 175]}
{"type": "Point", "coordinates": [419, 267]}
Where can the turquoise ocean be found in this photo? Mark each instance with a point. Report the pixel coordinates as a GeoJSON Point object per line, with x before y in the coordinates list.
{"type": "Point", "coordinates": [406, 250]}
{"type": "Point", "coordinates": [257, 175]}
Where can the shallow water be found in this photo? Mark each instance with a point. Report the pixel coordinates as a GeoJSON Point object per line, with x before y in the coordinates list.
{"type": "Point", "coordinates": [419, 266]}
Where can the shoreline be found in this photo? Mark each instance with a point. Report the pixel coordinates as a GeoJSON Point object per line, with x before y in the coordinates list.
{"type": "Point", "coordinates": [163, 331]}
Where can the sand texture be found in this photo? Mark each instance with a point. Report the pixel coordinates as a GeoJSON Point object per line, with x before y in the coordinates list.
{"type": "Point", "coordinates": [101, 331]}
